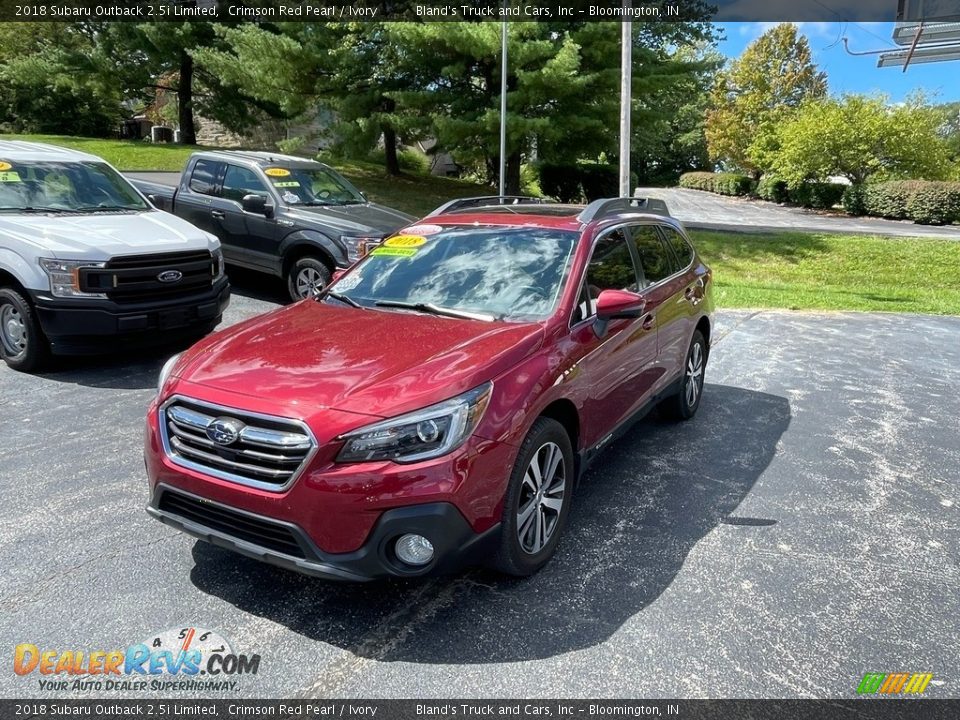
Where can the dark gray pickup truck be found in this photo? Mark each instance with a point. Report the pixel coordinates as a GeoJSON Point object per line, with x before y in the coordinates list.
{"type": "Point", "coordinates": [291, 217]}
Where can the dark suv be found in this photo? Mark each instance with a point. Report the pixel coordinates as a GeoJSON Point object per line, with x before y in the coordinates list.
{"type": "Point", "coordinates": [437, 404]}
{"type": "Point", "coordinates": [291, 217]}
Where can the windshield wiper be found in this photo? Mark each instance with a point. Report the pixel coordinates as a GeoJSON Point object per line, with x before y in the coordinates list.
{"type": "Point", "coordinates": [41, 209]}
{"type": "Point", "coordinates": [344, 299]}
{"type": "Point", "coordinates": [107, 208]}
{"type": "Point", "coordinates": [435, 310]}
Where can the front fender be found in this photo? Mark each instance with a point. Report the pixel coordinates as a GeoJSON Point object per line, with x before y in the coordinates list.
{"type": "Point", "coordinates": [328, 249]}
{"type": "Point", "coordinates": [29, 275]}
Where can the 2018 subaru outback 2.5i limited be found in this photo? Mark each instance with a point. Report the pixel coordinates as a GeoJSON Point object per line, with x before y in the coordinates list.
{"type": "Point", "coordinates": [437, 404]}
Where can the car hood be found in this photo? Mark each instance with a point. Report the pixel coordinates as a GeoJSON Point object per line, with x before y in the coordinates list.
{"type": "Point", "coordinates": [364, 218]}
{"type": "Point", "coordinates": [371, 362]}
{"type": "Point", "coordinates": [100, 236]}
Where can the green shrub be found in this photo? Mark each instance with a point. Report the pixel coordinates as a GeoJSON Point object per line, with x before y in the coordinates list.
{"type": "Point", "coordinates": [924, 202]}
{"type": "Point", "coordinates": [722, 183]}
{"type": "Point", "coordinates": [935, 203]}
{"type": "Point", "coordinates": [889, 199]}
{"type": "Point", "coordinates": [821, 196]}
{"type": "Point", "coordinates": [560, 181]}
{"type": "Point", "coordinates": [772, 188]}
{"type": "Point", "coordinates": [854, 199]}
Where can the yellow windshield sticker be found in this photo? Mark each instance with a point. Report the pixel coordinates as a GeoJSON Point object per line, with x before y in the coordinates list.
{"type": "Point", "coordinates": [10, 176]}
{"type": "Point", "coordinates": [405, 241]}
{"type": "Point", "coordinates": [285, 183]}
{"type": "Point", "coordinates": [277, 172]}
{"type": "Point", "coordinates": [395, 251]}
{"type": "Point", "coordinates": [5, 166]}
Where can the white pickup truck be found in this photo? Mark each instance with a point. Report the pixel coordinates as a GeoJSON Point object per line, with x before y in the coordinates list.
{"type": "Point", "coordinates": [88, 264]}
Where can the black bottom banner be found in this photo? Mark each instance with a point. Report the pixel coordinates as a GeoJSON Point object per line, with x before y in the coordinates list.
{"type": "Point", "coordinates": [477, 709]}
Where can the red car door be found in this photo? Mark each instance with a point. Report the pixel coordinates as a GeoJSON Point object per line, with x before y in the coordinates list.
{"type": "Point", "coordinates": [615, 366]}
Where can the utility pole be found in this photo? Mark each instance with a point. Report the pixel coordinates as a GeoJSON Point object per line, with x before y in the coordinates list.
{"type": "Point", "coordinates": [503, 106]}
{"type": "Point", "coordinates": [626, 96]}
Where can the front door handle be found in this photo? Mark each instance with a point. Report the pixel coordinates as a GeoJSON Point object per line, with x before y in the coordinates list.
{"type": "Point", "coordinates": [218, 214]}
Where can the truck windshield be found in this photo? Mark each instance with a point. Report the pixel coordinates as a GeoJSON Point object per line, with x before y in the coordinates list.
{"type": "Point", "coordinates": [502, 273]}
{"type": "Point", "coordinates": [75, 187]}
{"type": "Point", "coordinates": [313, 186]}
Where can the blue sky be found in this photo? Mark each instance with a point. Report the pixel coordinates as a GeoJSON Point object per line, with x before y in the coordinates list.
{"type": "Point", "coordinates": [846, 73]}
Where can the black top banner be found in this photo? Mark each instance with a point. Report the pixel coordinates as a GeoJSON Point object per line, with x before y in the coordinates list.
{"type": "Point", "coordinates": [236, 11]}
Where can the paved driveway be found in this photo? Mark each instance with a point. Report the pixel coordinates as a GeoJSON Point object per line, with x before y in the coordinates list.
{"type": "Point", "coordinates": [801, 531]}
{"type": "Point", "coordinates": [699, 209]}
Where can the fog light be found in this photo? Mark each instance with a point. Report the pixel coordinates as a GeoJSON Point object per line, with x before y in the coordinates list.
{"type": "Point", "coordinates": [414, 549]}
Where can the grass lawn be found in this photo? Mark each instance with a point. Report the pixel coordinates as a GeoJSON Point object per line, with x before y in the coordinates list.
{"type": "Point", "coordinates": [415, 194]}
{"type": "Point", "coordinates": [803, 271]}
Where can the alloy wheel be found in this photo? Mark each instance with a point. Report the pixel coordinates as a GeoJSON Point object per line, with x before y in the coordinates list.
{"type": "Point", "coordinates": [694, 374]}
{"type": "Point", "coordinates": [309, 282]}
{"type": "Point", "coordinates": [541, 498]}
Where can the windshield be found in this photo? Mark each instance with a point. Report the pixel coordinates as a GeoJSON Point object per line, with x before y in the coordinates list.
{"type": "Point", "coordinates": [313, 186]}
{"type": "Point", "coordinates": [86, 187]}
{"type": "Point", "coordinates": [505, 273]}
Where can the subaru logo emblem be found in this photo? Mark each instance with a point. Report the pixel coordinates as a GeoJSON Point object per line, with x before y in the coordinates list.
{"type": "Point", "coordinates": [170, 276]}
{"type": "Point", "coordinates": [225, 431]}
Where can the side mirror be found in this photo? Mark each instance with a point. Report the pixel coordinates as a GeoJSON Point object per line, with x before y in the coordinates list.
{"type": "Point", "coordinates": [256, 204]}
{"type": "Point", "coordinates": [153, 200]}
{"type": "Point", "coordinates": [615, 304]}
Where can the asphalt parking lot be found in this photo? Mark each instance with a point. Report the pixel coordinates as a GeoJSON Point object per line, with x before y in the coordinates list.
{"type": "Point", "coordinates": [801, 531]}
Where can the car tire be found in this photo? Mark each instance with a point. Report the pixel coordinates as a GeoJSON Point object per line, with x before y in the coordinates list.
{"type": "Point", "coordinates": [23, 345]}
{"type": "Point", "coordinates": [535, 512]}
{"type": "Point", "coordinates": [683, 405]}
{"type": "Point", "coordinates": [307, 277]}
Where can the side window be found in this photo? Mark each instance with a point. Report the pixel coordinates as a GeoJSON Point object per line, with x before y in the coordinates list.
{"type": "Point", "coordinates": [656, 260]}
{"type": "Point", "coordinates": [203, 179]}
{"type": "Point", "coordinates": [681, 248]}
{"type": "Point", "coordinates": [240, 181]}
{"type": "Point", "coordinates": [610, 268]}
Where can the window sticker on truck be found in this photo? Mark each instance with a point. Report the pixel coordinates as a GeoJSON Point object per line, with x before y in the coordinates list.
{"type": "Point", "coordinates": [285, 183]}
{"type": "Point", "coordinates": [10, 176]}
{"type": "Point", "coordinates": [276, 172]}
{"type": "Point", "coordinates": [5, 166]}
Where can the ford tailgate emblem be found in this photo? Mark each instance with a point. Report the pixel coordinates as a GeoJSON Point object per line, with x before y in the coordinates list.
{"type": "Point", "coordinates": [170, 276]}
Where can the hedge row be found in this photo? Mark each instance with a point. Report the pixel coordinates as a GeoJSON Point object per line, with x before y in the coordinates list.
{"type": "Point", "coordinates": [922, 201]}
{"type": "Point", "coordinates": [584, 181]}
{"type": "Point", "coordinates": [722, 183]}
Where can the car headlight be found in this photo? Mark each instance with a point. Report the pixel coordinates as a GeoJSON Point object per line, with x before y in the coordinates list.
{"type": "Point", "coordinates": [420, 435]}
{"type": "Point", "coordinates": [357, 246]}
{"type": "Point", "coordinates": [219, 267]}
{"type": "Point", "coordinates": [165, 372]}
{"type": "Point", "coordinates": [64, 277]}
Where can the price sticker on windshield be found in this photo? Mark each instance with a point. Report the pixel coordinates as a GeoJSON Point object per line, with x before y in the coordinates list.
{"type": "Point", "coordinates": [285, 183]}
{"type": "Point", "coordinates": [395, 251]}
{"type": "Point", "coordinates": [405, 241]}
{"type": "Point", "coordinates": [5, 166]}
{"type": "Point", "coordinates": [276, 172]}
{"type": "Point", "coordinates": [10, 176]}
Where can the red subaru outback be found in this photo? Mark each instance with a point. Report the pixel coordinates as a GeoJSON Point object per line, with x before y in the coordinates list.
{"type": "Point", "coordinates": [435, 406]}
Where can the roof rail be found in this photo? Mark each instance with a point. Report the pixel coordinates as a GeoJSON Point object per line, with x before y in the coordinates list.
{"type": "Point", "coordinates": [611, 207]}
{"type": "Point", "coordinates": [486, 201]}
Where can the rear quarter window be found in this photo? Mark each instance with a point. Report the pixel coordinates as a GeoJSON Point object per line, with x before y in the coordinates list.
{"type": "Point", "coordinates": [681, 248]}
{"type": "Point", "coordinates": [203, 179]}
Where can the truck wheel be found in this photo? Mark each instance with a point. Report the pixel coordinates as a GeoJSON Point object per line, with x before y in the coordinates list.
{"type": "Point", "coordinates": [23, 345]}
{"type": "Point", "coordinates": [307, 277]}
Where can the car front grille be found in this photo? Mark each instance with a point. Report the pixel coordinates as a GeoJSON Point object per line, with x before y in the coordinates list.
{"type": "Point", "coordinates": [136, 278]}
{"type": "Point", "coordinates": [241, 526]}
{"type": "Point", "coordinates": [261, 451]}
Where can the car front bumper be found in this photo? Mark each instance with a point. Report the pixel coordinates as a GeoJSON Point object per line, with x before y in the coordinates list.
{"type": "Point", "coordinates": [455, 543]}
{"type": "Point", "coordinates": [84, 326]}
